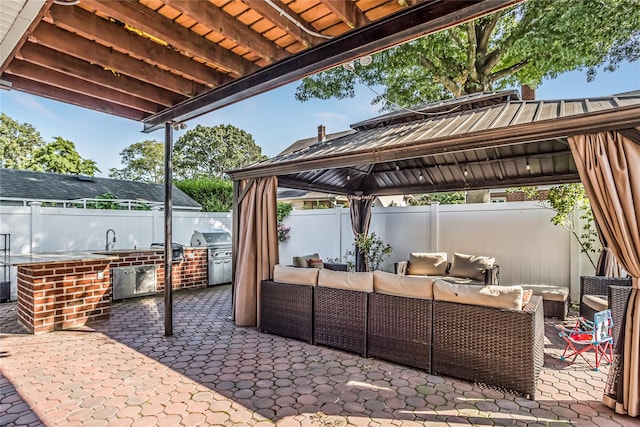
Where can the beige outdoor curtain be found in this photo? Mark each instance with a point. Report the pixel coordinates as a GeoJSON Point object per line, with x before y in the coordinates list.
{"type": "Point", "coordinates": [360, 210]}
{"type": "Point", "coordinates": [609, 167]}
{"type": "Point", "coordinates": [257, 245]}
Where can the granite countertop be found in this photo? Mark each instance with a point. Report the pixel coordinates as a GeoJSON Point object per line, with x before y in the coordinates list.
{"type": "Point", "coordinates": [46, 258]}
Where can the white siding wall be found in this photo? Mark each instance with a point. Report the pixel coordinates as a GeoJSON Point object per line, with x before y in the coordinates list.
{"type": "Point", "coordinates": [528, 248]}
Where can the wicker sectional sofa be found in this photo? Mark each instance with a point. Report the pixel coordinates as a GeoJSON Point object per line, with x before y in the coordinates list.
{"type": "Point", "coordinates": [480, 334]}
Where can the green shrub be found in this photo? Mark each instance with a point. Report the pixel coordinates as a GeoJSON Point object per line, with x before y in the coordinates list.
{"type": "Point", "coordinates": [214, 194]}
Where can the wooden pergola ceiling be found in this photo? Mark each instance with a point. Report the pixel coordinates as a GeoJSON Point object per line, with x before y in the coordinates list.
{"type": "Point", "coordinates": [170, 60]}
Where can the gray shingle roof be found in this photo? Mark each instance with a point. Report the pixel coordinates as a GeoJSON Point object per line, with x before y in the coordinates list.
{"type": "Point", "coordinates": [24, 184]}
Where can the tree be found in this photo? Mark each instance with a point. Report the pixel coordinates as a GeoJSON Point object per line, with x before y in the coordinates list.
{"type": "Point", "coordinates": [18, 142]}
{"type": "Point", "coordinates": [143, 161]}
{"type": "Point", "coordinates": [522, 45]}
{"type": "Point", "coordinates": [213, 194]}
{"type": "Point", "coordinates": [450, 198]}
{"type": "Point", "coordinates": [210, 151]}
{"type": "Point", "coordinates": [60, 156]}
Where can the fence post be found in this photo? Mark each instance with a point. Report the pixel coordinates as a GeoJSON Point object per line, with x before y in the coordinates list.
{"type": "Point", "coordinates": [36, 226]}
{"type": "Point", "coordinates": [433, 217]}
{"type": "Point", "coordinates": [156, 224]}
{"type": "Point", "coordinates": [338, 228]}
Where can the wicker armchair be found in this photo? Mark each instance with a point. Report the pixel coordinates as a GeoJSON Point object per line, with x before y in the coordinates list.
{"type": "Point", "coordinates": [618, 298]}
{"type": "Point", "coordinates": [504, 348]}
{"type": "Point", "coordinates": [597, 285]}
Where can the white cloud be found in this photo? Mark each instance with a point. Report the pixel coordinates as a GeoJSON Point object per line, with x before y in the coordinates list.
{"type": "Point", "coordinates": [33, 104]}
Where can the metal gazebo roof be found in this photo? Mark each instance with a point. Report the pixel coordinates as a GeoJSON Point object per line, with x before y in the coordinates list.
{"type": "Point", "coordinates": [486, 140]}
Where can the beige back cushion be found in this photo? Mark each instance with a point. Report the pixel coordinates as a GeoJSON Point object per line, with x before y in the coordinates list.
{"type": "Point", "coordinates": [428, 264]}
{"type": "Point", "coordinates": [345, 280]}
{"type": "Point", "coordinates": [471, 266]}
{"type": "Point", "coordinates": [507, 297]}
{"type": "Point", "coordinates": [404, 286]}
{"type": "Point", "coordinates": [303, 261]}
{"type": "Point", "coordinates": [295, 275]}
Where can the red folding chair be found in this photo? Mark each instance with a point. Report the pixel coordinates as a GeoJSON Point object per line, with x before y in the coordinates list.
{"type": "Point", "coordinates": [587, 335]}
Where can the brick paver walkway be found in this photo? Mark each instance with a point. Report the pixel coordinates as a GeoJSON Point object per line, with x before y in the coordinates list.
{"type": "Point", "coordinates": [125, 372]}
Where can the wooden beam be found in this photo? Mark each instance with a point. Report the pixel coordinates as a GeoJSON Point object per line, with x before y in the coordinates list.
{"type": "Point", "coordinates": [110, 34]}
{"type": "Point", "coordinates": [280, 21]}
{"type": "Point", "coordinates": [144, 19]}
{"type": "Point", "coordinates": [63, 81]}
{"type": "Point", "coordinates": [45, 90]}
{"type": "Point", "coordinates": [74, 67]}
{"type": "Point", "coordinates": [71, 44]}
{"type": "Point", "coordinates": [407, 24]}
{"type": "Point", "coordinates": [347, 11]}
{"type": "Point", "coordinates": [219, 21]}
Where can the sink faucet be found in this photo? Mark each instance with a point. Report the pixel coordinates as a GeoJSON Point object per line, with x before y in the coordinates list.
{"type": "Point", "coordinates": [106, 237]}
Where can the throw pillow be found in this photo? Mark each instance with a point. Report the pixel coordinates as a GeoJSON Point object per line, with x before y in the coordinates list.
{"type": "Point", "coordinates": [428, 264]}
{"type": "Point", "coordinates": [526, 296]}
{"type": "Point", "coordinates": [471, 266]}
{"type": "Point", "coordinates": [303, 261]}
{"type": "Point", "coordinates": [316, 263]}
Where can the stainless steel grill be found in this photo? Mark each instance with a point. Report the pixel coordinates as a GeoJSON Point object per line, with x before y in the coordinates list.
{"type": "Point", "coordinates": [218, 243]}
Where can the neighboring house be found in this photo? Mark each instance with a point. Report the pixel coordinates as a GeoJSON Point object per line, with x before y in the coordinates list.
{"type": "Point", "coordinates": [301, 199]}
{"type": "Point", "coordinates": [501, 195]}
{"type": "Point", "coordinates": [18, 187]}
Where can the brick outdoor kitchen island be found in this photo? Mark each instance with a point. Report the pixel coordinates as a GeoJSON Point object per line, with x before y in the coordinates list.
{"type": "Point", "coordinates": [67, 290]}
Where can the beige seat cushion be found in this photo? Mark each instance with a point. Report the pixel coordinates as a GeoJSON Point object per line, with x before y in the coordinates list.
{"type": "Point", "coordinates": [506, 297]}
{"type": "Point", "coordinates": [462, 280]}
{"type": "Point", "coordinates": [548, 292]}
{"type": "Point", "coordinates": [404, 286]}
{"type": "Point", "coordinates": [428, 264]}
{"type": "Point", "coordinates": [345, 280]}
{"type": "Point", "coordinates": [471, 266]}
{"type": "Point", "coordinates": [303, 261]}
{"type": "Point", "coordinates": [597, 302]}
{"type": "Point", "coordinates": [295, 275]}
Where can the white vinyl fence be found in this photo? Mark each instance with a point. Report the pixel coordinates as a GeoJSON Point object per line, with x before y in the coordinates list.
{"type": "Point", "coordinates": [528, 248]}
{"type": "Point", "coordinates": [526, 245]}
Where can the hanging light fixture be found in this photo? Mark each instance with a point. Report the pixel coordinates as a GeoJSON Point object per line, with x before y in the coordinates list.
{"type": "Point", "coordinates": [466, 172]}
{"type": "Point", "coordinates": [348, 177]}
{"type": "Point", "coordinates": [420, 177]}
{"type": "Point", "coordinates": [528, 166]}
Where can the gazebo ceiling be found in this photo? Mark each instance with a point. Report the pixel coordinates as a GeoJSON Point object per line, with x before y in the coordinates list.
{"type": "Point", "coordinates": [481, 141]}
{"type": "Point", "coordinates": [171, 60]}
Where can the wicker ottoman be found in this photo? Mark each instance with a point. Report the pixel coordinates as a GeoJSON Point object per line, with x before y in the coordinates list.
{"type": "Point", "coordinates": [555, 299]}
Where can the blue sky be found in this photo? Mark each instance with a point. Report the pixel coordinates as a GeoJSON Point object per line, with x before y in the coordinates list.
{"type": "Point", "coordinates": [275, 119]}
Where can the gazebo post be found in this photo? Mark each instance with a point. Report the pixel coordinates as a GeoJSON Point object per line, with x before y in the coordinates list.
{"type": "Point", "coordinates": [168, 247]}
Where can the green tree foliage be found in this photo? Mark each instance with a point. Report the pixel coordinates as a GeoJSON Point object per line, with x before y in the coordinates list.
{"type": "Point", "coordinates": [450, 198]}
{"type": "Point", "coordinates": [22, 147]}
{"type": "Point", "coordinates": [210, 151]}
{"type": "Point", "coordinates": [521, 45]}
{"type": "Point", "coordinates": [284, 209]}
{"type": "Point", "coordinates": [18, 142]}
{"type": "Point", "coordinates": [214, 194]}
{"type": "Point", "coordinates": [60, 156]}
{"type": "Point", "coordinates": [143, 161]}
